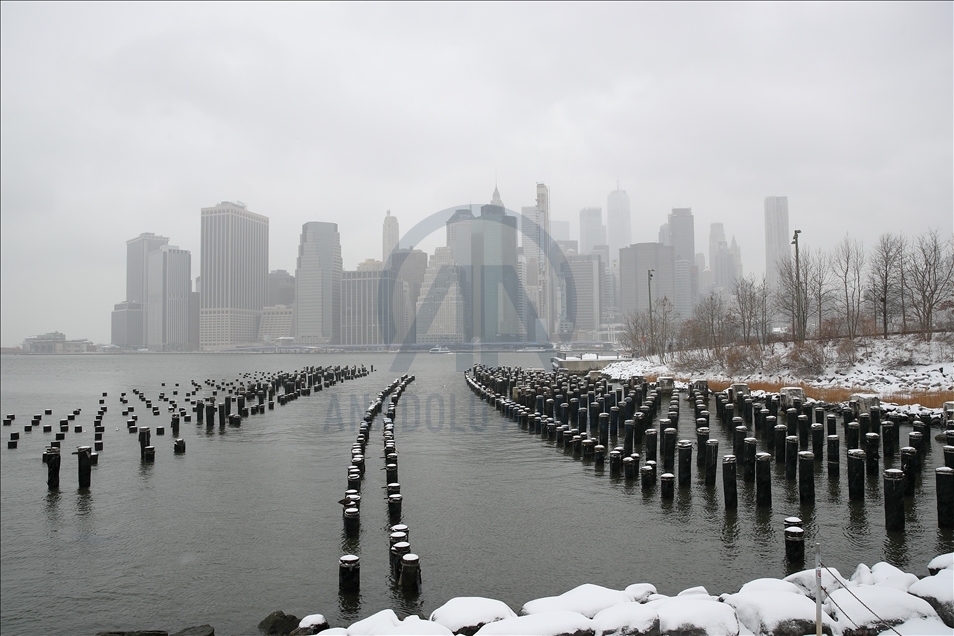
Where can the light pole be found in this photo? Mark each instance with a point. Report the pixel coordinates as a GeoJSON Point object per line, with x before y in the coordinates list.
{"type": "Point", "coordinates": [799, 330]}
{"type": "Point", "coordinates": [652, 328]}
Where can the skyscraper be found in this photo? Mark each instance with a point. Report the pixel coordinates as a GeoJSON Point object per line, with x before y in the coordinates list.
{"type": "Point", "coordinates": [537, 242]}
{"type": "Point", "coordinates": [592, 231]}
{"type": "Point", "coordinates": [634, 263]}
{"type": "Point", "coordinates": [233, 274]}
{"type": "Point", "coordinates": [440, 307]}
{"type": "Point", "coordinates": [137, 264]}
{"type": "Point", "coordinates": [459, 227]}
{"type": "Point", "coordinates": [409, 266]}
{"type": "Point", "coordinates": [495, 281]}
{"type": "Point", "coordinates": [390, 236]}
{"type": "Point", "coordinates": [618, 222]}
{"type": "Point", "coordinates": [682, 235]}
{"type": "Point", "coordinates": [716, 238]}
{"type": "Point", "coordinates": [169, 291]}
{"type": "Point", "coordinates": [318, 285]}
{"type": "Point", "coordinates": [368, 303]}
{"type": "Point", "coordinates": [777, 237]}
{"type": "Point", "coordinates": [583, 297]}
{"type": "Point", "coordinates": [281, 288]}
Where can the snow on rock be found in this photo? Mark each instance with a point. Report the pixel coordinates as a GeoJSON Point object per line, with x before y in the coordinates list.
{"type": "Point", "coordinates": [850, 608]}
{"type": "Point", "coordinates": [313, 620]}
{"type": "Point", "coordinates": [862, 575]}
{"type": "Point", "coordinates": [413, 626]}
{"type": "Point", "coordinates": [917, 627]}
{"type": "Point", "coordinates": [940, 562]}
{"type": "Point", "coordinates": [694, 591]}
{"type": "Point", "coordinates": [587, 599]}
{"type": "Point", "coordinates": [697, 615]}
{"type": "Point", "coordinates": [466, 614]}
{"type": "Point", "coordinates": [374, 623]}
{"type": "Point", "coordinates": [777, 613]}
{"type": "Point", "coordinates": [555, 623]}
{"type": "Point", "coordinates": [882, 571]}
{"type": "Point", "coordinates": [938, 590]}
{"type": "Point", "coordinates": [770, 585]}
{"type": "Point", "coordinates": [640, 592]}
{"type": "Point", "coordinates": [831, 580]}
{"type": "Point", "coordinates": [626, 619]}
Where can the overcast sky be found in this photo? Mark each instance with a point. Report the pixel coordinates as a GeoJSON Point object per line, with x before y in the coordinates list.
{"type": "Point", "coordinates": [119, 119]}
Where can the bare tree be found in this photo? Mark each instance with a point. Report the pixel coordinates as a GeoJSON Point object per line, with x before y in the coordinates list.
{"type": "Point", "coordinates": [710, 316]}
{"type": "Point", "coordinates": [635, 333]}
{"type": "Point", "coordinates": [817, 279]}
{"type": "Point", "coordinates": [884, 279]}
{"type": "Point", "coordinates": [787, 301]}
{"type": "Point", "coordinates": [930, 277]}
{"type": "Point", "coordinates": [763, 314]}
{"type": "Point", "coordinates": [666, 327]}
{"type": "Point", "coordinates": [848, 263]}
{"type": "Point", "coordinates": [746, 292]}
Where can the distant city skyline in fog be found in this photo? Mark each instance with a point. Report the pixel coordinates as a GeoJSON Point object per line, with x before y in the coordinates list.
{"type": "Point", "coordinates": [123, 119]}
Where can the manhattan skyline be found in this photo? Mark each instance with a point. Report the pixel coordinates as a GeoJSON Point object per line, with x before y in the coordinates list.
{"type": "Point", "coordinates": [844, 109]}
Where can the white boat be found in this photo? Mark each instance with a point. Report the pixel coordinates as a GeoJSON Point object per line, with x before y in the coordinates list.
{"type": "Point", "coordinates": [441, 349]}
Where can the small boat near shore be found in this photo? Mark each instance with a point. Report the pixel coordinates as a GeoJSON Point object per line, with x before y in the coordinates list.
{"type": "Point", "coordinates": [440, 349]}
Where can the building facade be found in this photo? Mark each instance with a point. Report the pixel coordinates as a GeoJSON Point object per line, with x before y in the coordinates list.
{"type": "Point", "coordinates": [318, 285]}
{"type": "Point", "coordinates": [370, 301]}
{"type": "Point", "coordinates": [233, 274]}
{"type": "Point", "coordinates": [777, 237]}
{"type": "Point", "coordinates": [592, 231]}
{"type": "Point", "coordinates": [635, 262]}
{"type": "Point", "coordinates": [390, 236]}
{"type": "Point", "coordinates": [169, 304]}
{"type": "Point", "coordinates": [618, 221]}
{"type": "Point", "coordinates": [440, 305]}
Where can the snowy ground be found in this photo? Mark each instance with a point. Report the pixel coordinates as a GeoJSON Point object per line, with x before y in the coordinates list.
{"type": "Point", "coordinates": [897, 366]}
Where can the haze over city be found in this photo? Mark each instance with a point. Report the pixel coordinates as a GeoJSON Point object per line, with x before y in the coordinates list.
{"type": "Point", "coordinates": [123, 119]}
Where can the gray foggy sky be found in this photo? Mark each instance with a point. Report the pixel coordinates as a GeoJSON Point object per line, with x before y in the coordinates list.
{"type": "Point", "coordinates": [119, 119]}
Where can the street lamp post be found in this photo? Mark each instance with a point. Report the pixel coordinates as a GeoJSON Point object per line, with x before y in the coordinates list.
{"type": "Point", "coordinates": [799, 329]}
{"type": "Point", "coordinates": [652, 328]}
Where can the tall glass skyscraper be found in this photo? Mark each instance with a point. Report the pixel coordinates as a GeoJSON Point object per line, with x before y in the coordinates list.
{"type": "Point", "coordinates": [318, 285]}
{"type": "Point", "coordinates": [777, 237]}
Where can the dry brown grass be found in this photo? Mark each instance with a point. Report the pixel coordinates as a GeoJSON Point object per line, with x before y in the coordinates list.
{"type": "Point", "coordinates": [928, 399]}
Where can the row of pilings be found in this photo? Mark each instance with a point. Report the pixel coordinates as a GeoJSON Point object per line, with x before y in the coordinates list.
{"type": "Point", "coordinates": [229, 403]}
{"type": "Point", "coordinates": [404, 564]}
{"type": "Point", "coordinates": [588, 417]}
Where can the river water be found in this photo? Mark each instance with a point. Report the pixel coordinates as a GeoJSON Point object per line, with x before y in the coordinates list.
{"type": "Point", "coordinates": [247, 521]}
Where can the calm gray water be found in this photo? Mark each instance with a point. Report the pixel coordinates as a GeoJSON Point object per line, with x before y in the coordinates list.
{"type": "Point", "coordinates": [247, 521]}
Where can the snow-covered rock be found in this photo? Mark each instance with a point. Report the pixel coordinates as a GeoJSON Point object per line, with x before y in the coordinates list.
{"type": "Point", "coordinates": [917, 627]}
{"type": "Point", "coordinates": [777, 613]}
{"type": "Point", "coordinates": [466, 614]}
{"type": "Point", "coordinates": [770, 585]}
{"type": "Point", "coordinates": [938, 590]}
{"type": "Point", "coordinates": [698, 616]}
{"type": "Point", "coordinates": [311, 624]}
{"type": "Point", "coordinates": [862, 575]}
{"type": "Point", "coordinates": [556, 623]}
{"type": "Point", "coordinates": [640, 592]}
{"type": "Point", "coordinates": [940, 562]}
{"type": "Point", "coordinates": [698, 590]}
{"type": "Point", "coordinates": [587, 599]}
{"type": "Point", "coordinates": [374, 624]}
{"type": "Point", "coordinates": [414, 626]}
{"type": "Point", "coordinates": [831, 580]}
{"type": "Point", "coordinates": [627, 619]}
{"type": "Point", "coordinates": [850, 607]}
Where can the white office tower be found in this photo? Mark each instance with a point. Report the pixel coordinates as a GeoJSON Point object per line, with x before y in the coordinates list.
{"type": "Point", "coordinates": [682, 237]}
{"type": "Point", "coordinates": [440, 305]}
{"type": "Point", "coordinates": [777, 237]}
{"type": "Point", "coordinates": [618, 222]}
{"type": "Point", "coordinates": [318, 285]}
{"type": "Point", "coordinates": [390, 236]}
{"type": "Point", "coordinates": [168, 290]}
{"type": "Point", "coordinates": [716, 240]}
{"type": "Point", "coordinates": [233, 274]}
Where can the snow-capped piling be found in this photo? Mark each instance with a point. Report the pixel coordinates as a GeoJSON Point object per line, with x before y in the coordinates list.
{"type": "Point", "coordinates": [649, 446]}
{"type": "Point", "coordinates": [763, 480]}
{"type": "Point", "coordinates": [781, 432]}
{"type": "Point", "coordinates": [749, 450]}
{"type": "Point", "coordinates": [52, 468]}
{"type": "Point", "coordinates": [85, 464]}
{"type": "Point", "coordinates": [684, 448]}
{"type": "Point", "coordinates": [179, 446]}
{"type": "Point", "coordinates": [728, 482]}
{"type": "Point", "coordinates": [794, 544]}
{"type": "Point", "coordinates": [410, 576]}
{"type": "Point", "coordinates": [944, 481]}
{"type": "Point", "coordinates": [834, 457]}
{"type": "Point", "coordinates": [712, 461]}
{"type": "Point", "coordinates": [908, 467]}
{"type": "Point", "coordinates": [144, 439]}
{"type": "Point", "coordinates": [352, 521]}
{"type": "Point", "coordinates": [668, 447]}
{"type": "Point", "coordinates": [872, 445]}
{"type": "Point", "coordinates": [667, 483]}
{"type": "Point", "coordinates": [806, 477]}
{"type": "Point", "coordinates": [856, 475]}
{"type": "Point", "coordinates": [791, 457]}
{"type": "Point", "coordinates": [949, 456]}
{"type": "Point", "coordinates": [818, 440]}
{"type": "Point", "coordinates": [893, 499]}
{"type": "Point", "coordinates": [349, 573]}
